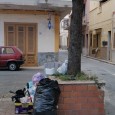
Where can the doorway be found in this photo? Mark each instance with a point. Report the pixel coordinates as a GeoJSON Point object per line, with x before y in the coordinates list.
{"type": "Point", "coordinates": [24, 37]}
{"type": "Point", "coordinates": [109, 46]}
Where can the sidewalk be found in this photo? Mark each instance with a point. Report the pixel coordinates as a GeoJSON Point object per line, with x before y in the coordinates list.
{"type": "Point", "coordinates": [106, 61]}
{"type": "Point", "coordinates": [7, 107]}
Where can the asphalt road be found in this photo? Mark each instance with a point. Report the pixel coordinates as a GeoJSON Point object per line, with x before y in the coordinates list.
{"type": "Point", "coordinates": [14, 80]}
{"type": "Point", "coordinates": [106, 72]}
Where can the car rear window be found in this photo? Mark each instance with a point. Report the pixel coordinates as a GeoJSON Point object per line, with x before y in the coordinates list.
{"type": "Point", "coordinates": [7, 51]}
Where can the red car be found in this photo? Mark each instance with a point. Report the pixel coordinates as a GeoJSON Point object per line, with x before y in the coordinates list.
{"type": "Point", "coordinates": [11, 57]}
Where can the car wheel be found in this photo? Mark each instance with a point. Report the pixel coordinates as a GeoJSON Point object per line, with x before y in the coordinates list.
{"type": "Point", "coordinates": [12, 66]}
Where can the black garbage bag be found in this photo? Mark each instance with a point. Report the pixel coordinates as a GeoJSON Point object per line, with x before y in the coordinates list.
{"type": "Point", "coordinates": [18, 94]}
{"type": "Point", "coordinates": [46, 96]}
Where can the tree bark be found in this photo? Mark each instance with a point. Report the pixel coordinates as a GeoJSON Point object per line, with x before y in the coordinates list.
{"type": "Point", "coordinates": [74, 50]}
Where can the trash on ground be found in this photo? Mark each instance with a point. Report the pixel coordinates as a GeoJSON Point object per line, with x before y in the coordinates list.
{"type": "Point", "coordinates": [24, 98]}
{"type": "Point", "coordinates": [63, 68]}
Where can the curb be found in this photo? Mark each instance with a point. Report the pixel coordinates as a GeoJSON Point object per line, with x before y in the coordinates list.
{"type": "Point", "coordinates": [38, 67]}
{"type": "Point", "coordinates": [109, 62]}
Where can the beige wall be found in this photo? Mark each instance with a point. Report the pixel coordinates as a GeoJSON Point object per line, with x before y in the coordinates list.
{"type": "Point", "coordinates": [93, 5]}
{"type": "Point", "coordinates": [102, 17]}
{"type": "Point", "coordinates": [86, 28]}
{"type": "Point", "coordinates": [46, 37]}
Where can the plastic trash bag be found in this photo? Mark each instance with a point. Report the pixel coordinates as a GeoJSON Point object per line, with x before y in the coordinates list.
{"type": "Point", "coordinates": [49, 71]}
{"type": "Point", "coordinates": [25, 99]}
{"type": "Point", "coordinates": [18, 94]}
{"type": "Point", "coordinates": [37, 77]}
{"type": "Point", "coordinates": [63, 68]}
{"type": "Point", "coordinates": [46, 96]}
{"type": "Point", "coordinates": [31, 89]}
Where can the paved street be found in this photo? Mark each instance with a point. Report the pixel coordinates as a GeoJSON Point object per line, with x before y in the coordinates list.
{"type": "Point", "coordinates": [17, 79]}
{"type": "Point", "coordinates": [13, 80]}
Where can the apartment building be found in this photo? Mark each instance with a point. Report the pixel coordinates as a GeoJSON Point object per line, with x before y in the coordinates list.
{"type": "Point", "coordinates": [64, 32]}
{"type": "Point", "coordinates": [65, 26]}
{"type": "Point", "coordinates": [85, 23]}
{"type": "Point", "coordinates": [33, 26]}
{"type": "Point", "coordinates": [102, 29]}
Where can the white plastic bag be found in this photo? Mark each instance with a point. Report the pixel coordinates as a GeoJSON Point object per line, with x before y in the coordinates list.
{"type": "Point", "coordinates": [63, 68]}
{"type": "Point", "coordinates": [49, 71]}
{"type": "Point", "coordinates": [25, 99]}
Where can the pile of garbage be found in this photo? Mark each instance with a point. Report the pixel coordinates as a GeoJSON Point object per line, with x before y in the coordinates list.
{"type": "Point", "coordinates": [55, 68]}
{"type": "Point", "coordinates": [24, 98]}
{"type": "Point", "coordinates": [39, 94]}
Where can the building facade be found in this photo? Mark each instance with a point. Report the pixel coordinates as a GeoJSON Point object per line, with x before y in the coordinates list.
{"type": "Point", "coordinates": [102, 30]}
{"type": "Point", "coordinates": [34, 27]}
{"type": "Point", "coordinates": [65, 24]}
{"type": "Point", "coordinates": [85, 23]}
{"type": "Point", "coordinates": [64, 32]}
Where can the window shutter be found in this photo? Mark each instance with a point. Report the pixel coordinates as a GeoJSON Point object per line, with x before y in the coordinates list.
{"type": "Point", "coordinates": [31, 39]}
{"type": "Point", "coordinates": [11, 35]}
{"type": "Point", "coordinates": [21, 38]}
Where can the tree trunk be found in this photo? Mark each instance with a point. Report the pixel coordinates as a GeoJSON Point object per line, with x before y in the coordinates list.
{"type": "Point", "coordinates": [74, 50]}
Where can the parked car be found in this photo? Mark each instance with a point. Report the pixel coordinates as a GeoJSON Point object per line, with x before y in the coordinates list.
{"type": "Point", "coordinates": [11, 57]}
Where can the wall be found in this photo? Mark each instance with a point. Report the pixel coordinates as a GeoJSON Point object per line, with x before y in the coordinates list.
{"type": "Point", "coordinates": [47, 57]}
{"type": "Point", "coordinates": [46, 37]}
{"type": "Point", "coordinates": [36, 2]}
{"type": "Point", "coordinates": [81, 99]}
{"type": "Point", "coordinates": [113, 48]}
{"type": "Point", "coordinates": [86, 28]}
{"type": "Point", "coordinates": [63, 39]}
{"type": "Point", "coordinates": [93, 5]}
{"type": "Point", "coordinates": [101, 18]}
{"type": "Point", "coordinates": [19, 2]}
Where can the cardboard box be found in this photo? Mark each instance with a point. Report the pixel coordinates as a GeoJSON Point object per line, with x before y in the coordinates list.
{"type": "Point", "coordinates": [23, 108]}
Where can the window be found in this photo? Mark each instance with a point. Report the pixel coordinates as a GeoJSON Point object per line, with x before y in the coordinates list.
{"type": "Point", "coordinates": [84, 10]}
{"type": "Point", "coordinates": [30, 29]}
{"type": "Point", "coordinates": [7, 51]}
{"type": "Point", "coordinates": [83, 41]}
{"type": "Point", "coordinates": [10, 28]}
{"type": "Point", "coordinates": [97, 40]}
{"type": "Point", "coordinates": [3, 50]}
{"type": "Point", "coordinates": [21, 29]}
{"type": "Point", "coordinates": [90, 40]}
{"type": "Point", "coordinates": [103, 1]}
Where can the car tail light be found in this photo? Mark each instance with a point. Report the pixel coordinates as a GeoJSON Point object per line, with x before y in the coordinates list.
{"type": "Point", "coordinates": [21, 57]}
